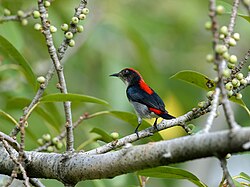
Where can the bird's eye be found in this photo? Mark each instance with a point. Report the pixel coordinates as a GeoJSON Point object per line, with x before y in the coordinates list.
{"type": "Point", "coordinates": [126, 72]}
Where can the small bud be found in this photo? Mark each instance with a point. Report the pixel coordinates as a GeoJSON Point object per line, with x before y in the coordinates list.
{"type": "Point", "coordinates": [82, 16]}
{"type": "Point", "coordinates": [220, 48]}
{"type": "Point", "coordinates": [208, 25]}
{"type": "Point", "coordinates": [236, 36]}
{"type": "Point", "coordinates": [6, 12]}
{"type": "Point", "coordinates": [233, 59]}
{"type": "Point", "coordinates": [53, 29]}
{"type": "Point", "coordinates": [64, 27]}
{"type": "Point", "coordinates": [37, 26]}
{"type": "Point", "coordinates": [220, 9]}
{"type": "Point", "coordinates": [239, 76]}
{"type": "Point", "coordinates": [224, 30]}
{"type": "Point", "coordinates": [47, 137]}
{"type": "Point", "coordinates": [75, 20]}
{"type": "Point", "coordinates": [201, 104]}
{"type": "Point", "coordinates": [114, 135]}
{"type": "Point", "coordinates": [243, 81]}
{"type": "Point", "coordinates": [232, 42]}
{"type": "Point", "coordinates": [72, 43]}
{"type": "Point", "coordinates": [40, 141]}
{"type": "Point", "coordinates": [238, 96]}
{"type": "Point", "coordinates": [80, 28]}
{"type": "Point", "coordinates": [59, 145]}
{"type": "Point", "coordinates": [230, 93]}
{"type": "Point", "coordinates": [50, 149]}
{"type": "Point", "coordinates": [20, 13]}
{"type": "Point", "coordinates": [210, 94]}
{"type": "Point", "coordinates": [226, 73]}
{"type": "Point", "coordinates": [85, 11]}
{"type": "Point", "coordinates": [69, 35]}
{"type": "Point", "coordinates": [36, 14]}
{"type": "Point", "coordinates": [210, 58]}
{"type": "Point", "coordinates": [24, 22]}
{"type": "Point", "coordinates": [46, 3]}
{"type": "Point", "coordinates": [41, 79]}
{"type": "Point", "coordinates": [229, 86]}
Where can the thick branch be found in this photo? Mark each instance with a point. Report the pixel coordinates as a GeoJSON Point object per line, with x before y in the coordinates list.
{"type": "Point", "coordinates": [82, 166]}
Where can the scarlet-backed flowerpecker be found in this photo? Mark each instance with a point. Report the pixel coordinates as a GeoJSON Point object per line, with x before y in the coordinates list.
{"type": "Point", "coordinates": [145, 100]}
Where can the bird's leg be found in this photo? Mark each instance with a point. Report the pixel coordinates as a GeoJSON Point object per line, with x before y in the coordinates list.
{"type": "Point", "coordinates": [155, 124]}
{"type": "Point", "coordinates": [136, 129]}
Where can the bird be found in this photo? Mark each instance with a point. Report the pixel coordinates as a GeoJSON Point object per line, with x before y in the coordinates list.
{"type": "Point", "coordinates": [146, 102]}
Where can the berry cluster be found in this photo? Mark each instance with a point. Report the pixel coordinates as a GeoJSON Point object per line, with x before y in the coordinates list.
{"type": "Point", "coordinates": [55, 143]}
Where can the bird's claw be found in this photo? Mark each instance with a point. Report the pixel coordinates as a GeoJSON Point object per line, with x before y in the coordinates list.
{"type": "Point", "coordinates": [136, 132]}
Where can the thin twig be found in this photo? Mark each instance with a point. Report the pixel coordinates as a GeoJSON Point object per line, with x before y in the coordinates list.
{"type": "Point", "coordinates": [16, 17]}
{"type": "Point", "coordinates": [226, 174]}
{"type": "Point", "coordinates": [241, 63]}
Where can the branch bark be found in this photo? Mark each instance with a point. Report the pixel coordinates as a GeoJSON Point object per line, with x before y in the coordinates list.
{"type": "Point", "coordinates": [72, 168]}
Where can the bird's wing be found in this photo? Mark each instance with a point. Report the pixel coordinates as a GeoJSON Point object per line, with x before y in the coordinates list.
{"type": "Point", "coordinates": [153, 101]}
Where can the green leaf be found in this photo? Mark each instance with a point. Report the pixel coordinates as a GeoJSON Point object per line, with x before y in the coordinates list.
{"type": "Point", "coordinates": [104, 135]}
{"type": "Point", "coordinates": [8, 117]}
{"type": "Point", "coordinates": [59, 97]}
{"type": "Point", "coordinates": [171, 172]}
{"type": "Point", "coordinates": [196, 79]}
{"type": "Point", "coordinates": [8, 49]}
{"type": "Point", "coordinates": [228, 10]}
{"type": "Point", "coordinates": [245, 176]}
{"type": "Point", "coordinates": [240, 102]}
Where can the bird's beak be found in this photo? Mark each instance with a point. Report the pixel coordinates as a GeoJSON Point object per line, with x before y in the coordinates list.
{"type": "Point", "coordinates": [114, 75]}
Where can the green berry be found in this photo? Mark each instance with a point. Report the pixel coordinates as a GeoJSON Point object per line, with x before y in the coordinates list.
{"type": "Point", "coordinates": [46, 3]}
{"type": "Point", "coordinates": [233, 59]}
{"type": "Point", "coordinates": [220, 9]}
{"type": "Point", "coordinates": [69, 35]}
{"type": "Point", "coordinates": [75, 20]}
{"type": "Point", "coordinates": [226, 73]}
{"type": "Point", "coordinates": [224, 30]}
{"type": "Point", "coordinates": [230, 93]}
{"type": "Point", "coordinates": [37, 26]}
{"type": "Point", "coordinates": [231, 66]}
{"type": "Point", "coordinates": [220, 48]}
{"type": "Point", "coordinates": [238, 96]}
{"type": "Point", "coordinates": [249, 68]}
{"type": "Point", "coordinates": [228, 156]}
{"type": "Point", "coordinates": [222, 36]}
{"type": "Point", "coordinates": [232, 42]}
{"type": "Point", "coordinates": [226, 56]}
{"type": "Point", "coordinates": [82, 16]}
{"type": "Point", "coordinates": [55, 140]}
{"type": "Point", "coordinates": [50, 149]}
{"type": "Point", "coordinates": [40, 141]}
{"type": "Point", "coordinates": [236, 36]}
{"type": "Point", "coordinates": [239, 76]}
{"type": "Point", "coordinates": [210, 58]}
{"type": "Point", "coordinates": [20, 13]}
{"type": "Point", "coordinates": [72, 43]}
{"type": "Point", "coordinates": [80, 28]}
{"type": "Point", "coordinates": [208, 25]}
{"type": "Point", "coordinates": [246, 2]}
{"type": "Point", "coordinates": [191, 126]}
{"type": "Point", "coordinates": [36, 14]}
{"type": "Point", "coordinates": [41, 79]}
{"type": "Point", "coordinates": [235, 82]}
{"type": "Point", "coordinates": [64, 27]}
{"type": "Point", "coordinates": [6, 12]}
{"type": "Point", "coordinates": [243, 81]}
{"type": "Point", "coordinates": [210, 94]}
{"type": "Point", "coordinates": [201, 104]}
{"type": "Point", "coordinates": [47, 137]}
{"type": "Point", "coordinates": [59, 145]}
{"type": "Point", "coordinates": [229, 86]}
{"type": "Point", "coordinates": [85, 11]}
{"type": "Point", "coordinates": [114, 135]}
{"type": "Point", "coordinates": [24, 22]}
{"type": "Point", "coordinates": [53, 29]}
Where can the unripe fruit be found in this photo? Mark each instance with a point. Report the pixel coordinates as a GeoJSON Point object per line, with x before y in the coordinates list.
{"type": "Point", "coordinates": [85, 10]}
{"type": "Point", "coordinates": [47, 137]}
{"type": "Point", "coordinates": [24, 22]}
{"type": "Point", "coordinates": [20, 13]}
{"type": "Point", "coordinates": [249, 68]}
{"type": "Point", "coordinates": [69, 35]}
{"type": "Point", "coordinates": [40, 141]}
{"type": "Point", "coordinates": [236, 36]}
{"type": "Point", "coordinates": [41, 79]}
{"type": "Point", "coordinates": [82, 16]}
{"type": "Point", "coordinates": [228, 156]}
{"type": "Point", "coordinates": [210, 94]}
{"type": "Point", "coordinates": [246, 2]}
{"type": "Point", "coordinates": [222, 36]}
{"type": "Point", "coordinates": [201, 104]}
{"type": "Point", "coordinates": [50, 149]}
{"type": "Point", "coordinates": [226, 73]}
{"type": "Point", "coordinates": [36, 14]}
{"type": "Point", "coordinates": [37, 26]}
{"type": "Point", "coordinates": [231, 66]}
{"type": "Point", "coordinates": [233, 59]}
{"type": "Point", "coordinates": [59, 145]}
{"type": "Point", "coordinates": [191, 127]}
{"type": "Point", "coordinates": [226, 56]}
{"type": "Point", "coordinates": [239, 76]}
{"type": "Point", "coordinates": [53, 29]}
{"type": "Point", "coordinates": [75, 20]}
{"type": "Point", "coordinates": [46, 3]}
{"type": "Point", "coordinates": [55, 140]}
{"type": "Point", "coordinates": [232, 42]}
{"type": "Point", "coordinates": [220, 48]}
{"type": "Point", "coordinates": [235, 82]}
{"type": "Point", "coordinates": [64, 27]}
{"type": "Point", "coordinates": [210, 58]}
{"type": "Point", "coordinates": [80, 28]}
{"type": "Point", "coordinates": [230, 93]}
{"type": "Point", "coordinates": [238, 96]}
{"type": "Point", "coordinates": [229, 86]}
{"type": "Point", "coordinates": [243, 81]}
{"type": "Point", "coordinates": [72, 43]}
{"type": "Point", "coordinates": [224, 30]}
{"type": "Point", "coordinates": [208, 25]}
{"type": "Point", "coordinates": [220, 9]}
{"type": "Point", "coordinates": [114, 135]}
{"type": "Point", "coordinates": [6, 12]}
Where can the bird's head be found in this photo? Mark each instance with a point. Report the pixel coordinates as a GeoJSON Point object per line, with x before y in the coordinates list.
{"type": "Point", "coordinates": [129, 76]}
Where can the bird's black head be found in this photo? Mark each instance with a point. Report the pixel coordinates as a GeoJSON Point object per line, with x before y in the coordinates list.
{"type": "Point", "coordinates": [129, 76]}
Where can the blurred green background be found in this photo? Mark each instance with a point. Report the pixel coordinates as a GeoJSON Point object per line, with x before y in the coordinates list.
{"type": "Point", "coordinates": [158, 38]}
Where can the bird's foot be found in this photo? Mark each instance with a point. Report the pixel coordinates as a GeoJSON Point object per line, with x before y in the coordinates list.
{"type": "Point", "coordinates": [155, 125]}
{"type": "Point", "coordinates": [136, 132]}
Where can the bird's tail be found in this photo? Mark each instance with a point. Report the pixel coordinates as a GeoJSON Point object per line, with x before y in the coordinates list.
{"type": "Point", "coordinates": [166, 116]}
